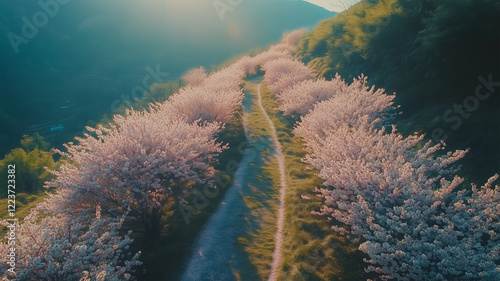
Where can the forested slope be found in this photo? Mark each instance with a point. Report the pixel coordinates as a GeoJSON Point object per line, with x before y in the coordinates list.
{"type": "Point", "coordinates": [441, 57]}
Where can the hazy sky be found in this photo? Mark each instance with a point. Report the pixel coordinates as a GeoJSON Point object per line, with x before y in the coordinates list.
{"type": "Point", "coordinates": [333, 5]}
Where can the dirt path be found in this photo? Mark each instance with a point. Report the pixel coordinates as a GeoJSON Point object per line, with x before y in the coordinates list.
{"type": "Point", "coordinates": [278, 237]}
{"type": "Point", "coordinates": [216, 246]}
{"type": "Point", "coordinates": [216, 254]}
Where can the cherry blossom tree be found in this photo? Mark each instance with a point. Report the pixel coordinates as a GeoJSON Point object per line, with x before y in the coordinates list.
{"type": "Point", "coordinates": [377, 165]}
{"type": "Point", "coordinates": [51, 245]}
{"type": "Point", "coordinates": [436, 235]}
{"type": "Point", "coordinates": [349, 103]}
{"type": "Point", "coordinates": [285, 72]}
{"type": "Point", "coordinates": [216, 100]}
{"type": "Point", "coordinates": [247, 64]}
{"type": "Point", "coordinates": [293, 38]}
{"type": "Point", "coordinates": [303, 96]}
{"type": "Point", "coordinates": [195, 77]}
{"type": "Point", "coordinates": [284, 49]}
{"type": "Point", "coordinates": [145, 159]}
{"type": "Point", "coordinates": [396, 195]}
{"type": "Point", "coordinates": [138, 164]}
{"type": "Point", "coordinates": [275, 52]}
{"type": "Point", "coordinates": [228, 78]}
{"type": "Point", "coordinates": [203, 105]}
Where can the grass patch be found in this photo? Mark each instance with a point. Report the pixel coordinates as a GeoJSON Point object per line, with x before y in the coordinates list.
{"type": "Point", "coordinates": [312, 251]}
{"type": "Point", "coordinates": [262, 198]}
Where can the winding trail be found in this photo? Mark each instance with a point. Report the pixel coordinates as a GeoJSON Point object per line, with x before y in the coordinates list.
{"type": "Point", "coordinates": [217, 255]}
{"type": "Point", "coordinates": [278, 237]}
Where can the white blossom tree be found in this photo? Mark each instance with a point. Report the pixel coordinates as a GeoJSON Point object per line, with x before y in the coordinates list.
{"type": "Point", "coordinates": [293, 37]}
{"type": "Point", "coordinates": [201, 104]}
{"type": "Point", "coordinates": [303, 96]}
{"type": "Point", "coordinates": [216, 100]}
{"type": "Point", "coordinates": [51, 245]}
{"type": "Point", "coordinates": [348, 105]}
{"type": "Point", "coordinates": [283, 49]}
{"type": "Point", "coordinates": [247, 64]}
{"type": "Point", "coordinates": [275, 52]}
{"type": "Point", "coordinates": [383, 190]}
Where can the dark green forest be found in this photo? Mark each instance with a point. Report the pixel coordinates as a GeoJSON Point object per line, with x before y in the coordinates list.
{"type": "Point", "coordinates": [441, 58]}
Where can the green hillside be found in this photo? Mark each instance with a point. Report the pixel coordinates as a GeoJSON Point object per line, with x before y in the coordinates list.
{"type": "Point", "coordinates": [442, 58]}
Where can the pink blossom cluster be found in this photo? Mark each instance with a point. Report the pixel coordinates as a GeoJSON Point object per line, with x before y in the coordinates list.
{"type": "Point", "coordinates": [284, 49]}
{"type": "Point", "coordinates": [51, 244]}
{"type": "Point", "coordinates": [209, 98]}
{"type": "Point", "coordinates": [328, 96]}
{"type": "Point", "coordinates": [275, 52]}
{"type": "Point", "coordinates": [395, 195]}
{"type": "Point", "coordinates": [348, 104]}
{"type": "Point", "coordinates": [283, 73]}
{"type": "Point", "coordinates": [281, 69]}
